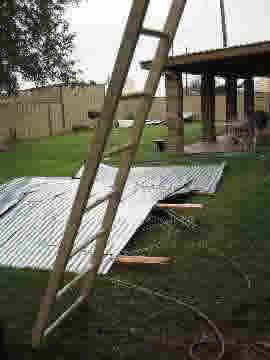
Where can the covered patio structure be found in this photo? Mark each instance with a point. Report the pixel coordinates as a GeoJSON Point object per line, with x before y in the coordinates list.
{"type": "Point", "coordinates": [232, 63]}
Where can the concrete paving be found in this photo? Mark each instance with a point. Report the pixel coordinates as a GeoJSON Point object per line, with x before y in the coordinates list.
{"type": "Point", "coordinates": [222, 144]}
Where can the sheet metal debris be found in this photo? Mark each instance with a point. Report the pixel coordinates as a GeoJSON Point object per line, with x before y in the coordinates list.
{"type": "Point", "coordinates": [34, 211]}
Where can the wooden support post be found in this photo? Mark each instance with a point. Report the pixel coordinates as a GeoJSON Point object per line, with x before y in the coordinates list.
{"type": "Point", "coordinates": [248, 97]}
{"type": "Point", "coordinates": [208, 108]}
{"type": "Point", "coordinates": [175, 119]}
{"type": "Point", "coordinates": [231, 101]}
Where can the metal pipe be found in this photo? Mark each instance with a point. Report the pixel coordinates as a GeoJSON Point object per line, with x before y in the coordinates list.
{"type": "Point", "coordinates": [68, 312]}
{"type": "Point", "coordinates": [72, 283]}
{"type": "Point", "coordinates": [223, 22]}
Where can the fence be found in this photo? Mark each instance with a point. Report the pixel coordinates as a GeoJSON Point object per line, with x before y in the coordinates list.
{"type": "Point", "coordinates": [31, 120]}
{"type": "Point", "coordinates": [49, 111]}
{"type": "Point", "coordinates": [159, 108]}
{"type": "Point", "coordinates": [192, 103]}
{"type": "Point", "coordinates": [38, 119]}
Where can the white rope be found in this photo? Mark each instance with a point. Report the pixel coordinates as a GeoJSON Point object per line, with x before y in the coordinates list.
{"type": "Point", "coordinates": [192, 308]}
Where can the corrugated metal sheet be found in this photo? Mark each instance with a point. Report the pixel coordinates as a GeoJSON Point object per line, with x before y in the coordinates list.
{"type": "Point", "coordinates": [216, 52]}
{"type": "Point", "coordinates": [33, 211]}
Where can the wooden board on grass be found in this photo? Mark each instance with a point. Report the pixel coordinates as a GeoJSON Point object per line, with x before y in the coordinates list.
{"type": "Point", "coordinates": [142, 260]}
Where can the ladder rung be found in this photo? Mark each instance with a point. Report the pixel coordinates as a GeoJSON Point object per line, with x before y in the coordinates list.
{"type": "Point", "coordinates": [155, 33]}
{"type": "Point", "coordinates": [136, 95]}
{"type": "Point", "coordinates": [120, 149]}
{"type": "Point", "coordinates": [99, 201]}
{"type": "Point", "coordinates": [86, 243]}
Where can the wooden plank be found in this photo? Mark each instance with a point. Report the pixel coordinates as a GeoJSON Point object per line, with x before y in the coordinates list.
{"type": "Point", "coordinates": [143, 260]}
{"type": "Point", "coordinates": [180, 206]}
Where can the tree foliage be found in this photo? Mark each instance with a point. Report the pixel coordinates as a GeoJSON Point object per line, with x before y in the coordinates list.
{"type": "Point", "coordinates": [35, 42]}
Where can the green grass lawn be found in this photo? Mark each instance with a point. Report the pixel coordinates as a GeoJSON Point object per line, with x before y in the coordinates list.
{"type": "Point", "coordinates": [58, 155]}
{"type": "Point", "coordinates": [234, 227]}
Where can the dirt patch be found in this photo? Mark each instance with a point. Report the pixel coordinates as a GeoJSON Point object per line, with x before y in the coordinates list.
{"type": "Point", "coordinates": [237, 345]}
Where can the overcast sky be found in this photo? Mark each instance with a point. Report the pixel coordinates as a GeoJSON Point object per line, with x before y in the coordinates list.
{"type": "Point", "coordinates": [100, 24]}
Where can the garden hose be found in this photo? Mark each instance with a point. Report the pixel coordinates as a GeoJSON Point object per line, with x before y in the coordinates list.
{"type": "Point", "coordinates": [196, 311]}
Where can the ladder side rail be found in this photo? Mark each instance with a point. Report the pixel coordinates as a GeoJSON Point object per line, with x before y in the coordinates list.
{"type": "Point", "coordinates": [114, 91]}
{"type": "Point", "coordinates": [151, 85]}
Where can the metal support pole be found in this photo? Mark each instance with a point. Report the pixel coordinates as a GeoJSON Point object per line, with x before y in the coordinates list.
{"type": "Point", "coordinates": [223, 22]}
{"type": "Point", "coordinates": [186, 78]}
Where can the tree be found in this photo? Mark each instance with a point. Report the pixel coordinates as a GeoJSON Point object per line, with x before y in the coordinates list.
{"type": "Point", "coordinates": [35, 43]}
{"type": "Point", "coordinates": [75, 83]}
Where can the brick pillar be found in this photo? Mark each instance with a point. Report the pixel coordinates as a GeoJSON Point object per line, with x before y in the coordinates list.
{"type": "Point", "coordinates": [175, 120]}
{"type": "Point", "coordinates": [248, 97]}
{"type": "Point", "coordinates": [208, 108]}
{"type": "Point", "coordinates": [231, 100]}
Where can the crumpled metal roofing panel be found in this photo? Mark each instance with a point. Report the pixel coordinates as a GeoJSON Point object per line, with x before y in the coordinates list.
{"type": "Point", "coordinates": [33, 212]}
{"type": "Point", "coordinates": [203, 177]}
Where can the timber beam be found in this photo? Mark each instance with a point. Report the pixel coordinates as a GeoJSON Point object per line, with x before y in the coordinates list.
{"type": "Point", "coordinates": [208, 108]}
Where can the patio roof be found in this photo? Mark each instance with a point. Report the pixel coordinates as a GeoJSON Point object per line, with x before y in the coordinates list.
{"type": "Point", "coordinates": [242, 61]}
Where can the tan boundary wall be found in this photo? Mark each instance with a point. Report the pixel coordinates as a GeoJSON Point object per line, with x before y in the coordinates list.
{"type": "Point", "coordinates": [49, 111]}
{"type": "Point", "coordinates": [78, 101]}
{"type": "Point", "coordinates": [8, 113]}
{"type": "Point", "coordinates": [45, 119]}
{"type": "Point", "coordinates": [191, 104]}
{"type": "Point", "coordinates": [125, 107]}
{"type": "Point", "coordinates": [28, 120]}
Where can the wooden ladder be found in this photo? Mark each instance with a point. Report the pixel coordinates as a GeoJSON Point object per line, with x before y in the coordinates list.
{"type": "Point", "coordinates": [133, 30]}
